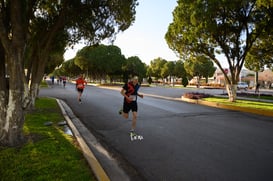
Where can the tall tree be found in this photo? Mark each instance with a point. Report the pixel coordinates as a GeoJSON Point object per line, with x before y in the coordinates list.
{"type": "Point", "coordinates": [156, 66]}
{"type": "Point", "coordinates": [3, 81]}
{"type": "Point", "coordinates": [101, 60]}
{"type": "Point", "coordinates": [261, 54]}
{"type": "Point", "coordinates": [213, 27]}
{"type": "Point", "coordinates": [133, 66]}
{"type": "Point", "coordinates": [168, 70]}
{"type": "Point", "coordinates": [180, 72]}
{"type": "Point", "coordinates": [179, 69]}
{"type": "Point", "coordinates": [28, 25]}
{"type": "Point", "coordinates": [13, 36]}
{"type": "Point", "coordinates": [259, 57]}
{"type": "Point", "coordinates": [69, 69]}
{"type": "Point", "coordinates": [200, 66]}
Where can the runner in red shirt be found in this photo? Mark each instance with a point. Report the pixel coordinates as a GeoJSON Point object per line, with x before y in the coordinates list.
{"type": "Point", "coordinates": [80, 84]}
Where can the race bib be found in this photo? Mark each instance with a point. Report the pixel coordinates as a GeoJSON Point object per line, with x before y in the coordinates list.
{"type": "Point", "coordinates": [132, 97]}
{"type": "Point", "coordinates": [80, 86]}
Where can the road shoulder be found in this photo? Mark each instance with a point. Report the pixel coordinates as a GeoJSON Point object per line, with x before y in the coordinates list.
{"type": "Point", "coordinates": [106, 170]}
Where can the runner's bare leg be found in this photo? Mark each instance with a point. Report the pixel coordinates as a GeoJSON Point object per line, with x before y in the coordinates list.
{"type": "Point", "coordinates": [134, 119]}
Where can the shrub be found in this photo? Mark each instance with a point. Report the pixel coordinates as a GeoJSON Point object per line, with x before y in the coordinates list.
{"type": "Point", "coordinates": [195, 95]}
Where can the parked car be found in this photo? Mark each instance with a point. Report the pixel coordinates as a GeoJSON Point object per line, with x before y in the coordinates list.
{"type": "Point", "coordinates": [242, 85]}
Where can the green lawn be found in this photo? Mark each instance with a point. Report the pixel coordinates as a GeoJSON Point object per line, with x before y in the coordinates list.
{"type": "Point", "coordinates": [242, 103]}
{"type": "Point", "coordinates": [48, 154]}
{"type": "Point", "coordinates": [43, 84]}
{"type": "Point", "coordinates": [266, 97]}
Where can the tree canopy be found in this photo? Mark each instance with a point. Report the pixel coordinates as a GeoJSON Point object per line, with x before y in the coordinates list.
{"type": "Point", "coordinates": [133, 67]}
{"type": "Point", "coordinates": [161, 69]}
{"type": "Point", "coordinates": [156, 67]}
{"type": "Point", "coordinates": [213, 27]}
{"type": "Point", "coordinates": [100, 60]}
{"type": "Point", "coordinates": [179, 69]}
{"type": "Point", "coordinates": [199, 66]}
{"type": "Point", "coordinates": [30, 32]}
{"type": "Point", "coordinates": [261, 55]}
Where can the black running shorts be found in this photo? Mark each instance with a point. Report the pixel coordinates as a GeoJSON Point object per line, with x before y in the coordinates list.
{"type": "Point", "coordinates": [129, 106]}
{"type": "Point", "coordinates": [80, 90]}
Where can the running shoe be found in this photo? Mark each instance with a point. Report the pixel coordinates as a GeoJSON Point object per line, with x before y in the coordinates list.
{"type": "Point", "coordinates": [133, 133]}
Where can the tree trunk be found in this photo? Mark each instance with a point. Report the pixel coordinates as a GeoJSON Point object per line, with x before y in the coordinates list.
{"type": "Point", "coordinates": [231, 90]}
{"type": "Point", "coordinates": [3, 89]}
{"type": "Point", "coordinates": [37, 74]}
{"type": "Point", "coordinates": [256, 78]}
{"type": "Point", "coordinates": [34, 89]}
{"type": "Point", "coordinates": [11, 130]}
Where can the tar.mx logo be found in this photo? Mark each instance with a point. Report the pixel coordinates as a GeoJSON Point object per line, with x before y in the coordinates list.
{"type": "Point", "coordinates": [136, 137]}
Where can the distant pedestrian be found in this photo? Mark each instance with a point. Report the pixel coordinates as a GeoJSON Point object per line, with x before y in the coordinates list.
{"type": "Point", "coordinates": [64, 80]}
{"type": "Point", "coordinates": [52, 79]}
{"type": "Point", "coordinates": [257, 89]}
{"type": "Point", "coordinates": [80, 85]}
{"type": "Point", "coordinates": [58, 80]}
{"type": "Point", "coordinates": [130, 93]}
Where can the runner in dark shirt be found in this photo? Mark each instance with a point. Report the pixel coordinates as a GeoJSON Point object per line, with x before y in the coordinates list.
{"type": "Point", "coordinates": [130, 94]}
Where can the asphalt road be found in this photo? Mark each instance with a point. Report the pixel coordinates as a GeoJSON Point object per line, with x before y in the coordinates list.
{"type": "Point", "coordinates": [182, 141]}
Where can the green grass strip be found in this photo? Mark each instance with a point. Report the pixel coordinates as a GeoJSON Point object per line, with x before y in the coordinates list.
{"type": "Point", "coordinates": [43, 84]}
{"type": "Point", "coordinates": [266, 97]}
{"type": "Point", "coordinates": [48, 154]}
{"type": "Point", "coordinates": [242, 103]}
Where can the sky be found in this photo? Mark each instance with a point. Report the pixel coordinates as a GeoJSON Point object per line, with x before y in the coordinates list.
{"type": "Point", "coordinates": [145, 38]}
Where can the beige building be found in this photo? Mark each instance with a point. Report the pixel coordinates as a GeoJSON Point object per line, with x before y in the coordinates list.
{"type": "Point", "coordinates": [265, 78]}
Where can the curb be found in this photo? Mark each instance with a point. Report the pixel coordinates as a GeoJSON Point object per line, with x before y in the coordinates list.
{"type": "Point", "coordinates": [229, 107]}
{"type": "Point", "coordinates": [88, 154]}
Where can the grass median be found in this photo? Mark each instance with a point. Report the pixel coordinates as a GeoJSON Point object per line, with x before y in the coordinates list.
{"type": "Point", "coordinates": [266, 106]}
{"type": "Point", "coordinates": [48, 153]}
